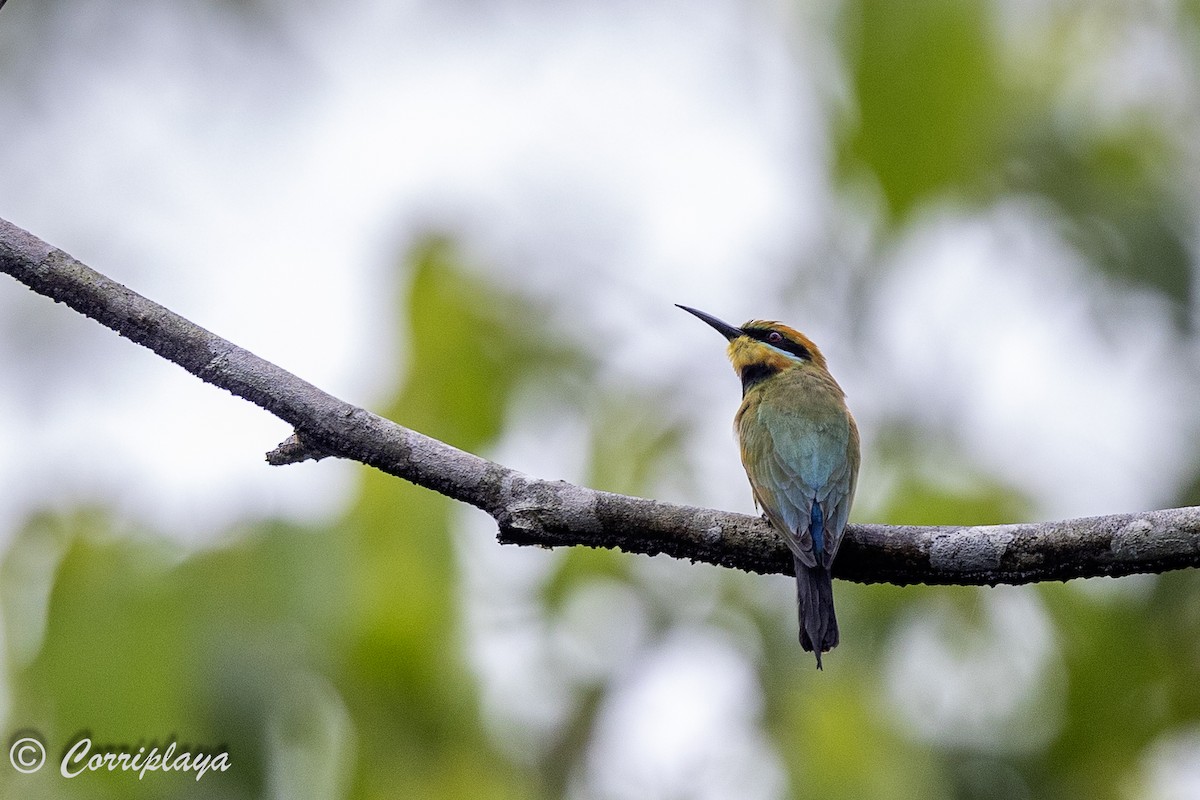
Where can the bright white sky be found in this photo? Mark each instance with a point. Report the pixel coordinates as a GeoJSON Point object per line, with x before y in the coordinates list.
{"type": "Point", "coordinates": [614, 158]}
{"type": "Point", "coordinates": [618, 159]}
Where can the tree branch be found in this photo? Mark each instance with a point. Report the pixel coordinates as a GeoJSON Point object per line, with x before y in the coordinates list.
{"type": "Point", "coordinates": [555, 513]}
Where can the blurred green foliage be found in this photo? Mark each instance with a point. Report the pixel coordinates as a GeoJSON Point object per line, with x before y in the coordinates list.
{"type": "Point", "coordinates": [936, 116]}
{"type": "Point", "coordinates": [333, 660]}
{"type": "Point", "coordinates": [330, 660]}
{"type": "Point", "coordinates": [1120, 204]}
{"type": "Point", "coordinates": [327, 660]}
{"type": "Point", "coordinates": [925, 118]}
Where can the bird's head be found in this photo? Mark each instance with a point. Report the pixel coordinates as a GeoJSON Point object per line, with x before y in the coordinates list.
{"type": "Point", "coordinates": [759, 348]}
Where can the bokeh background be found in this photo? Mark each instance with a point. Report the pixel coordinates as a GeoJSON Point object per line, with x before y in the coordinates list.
{"type": "Point", "coordinates": [474, 217]}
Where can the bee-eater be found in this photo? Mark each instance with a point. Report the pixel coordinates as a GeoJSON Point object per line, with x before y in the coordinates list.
{"type": "Point", "coordinates": [799, 446]}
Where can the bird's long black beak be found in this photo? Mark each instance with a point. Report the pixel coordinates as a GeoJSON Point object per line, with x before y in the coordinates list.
{"type": "Point", "coordinates": [724, 328]}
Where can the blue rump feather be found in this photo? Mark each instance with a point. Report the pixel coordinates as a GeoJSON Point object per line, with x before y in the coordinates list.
{"type": "Point", "coordinates": [818, 531]}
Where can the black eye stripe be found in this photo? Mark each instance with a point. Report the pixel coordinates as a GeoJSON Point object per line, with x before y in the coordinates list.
{"type": "Point", "coordinates": [784, 343]}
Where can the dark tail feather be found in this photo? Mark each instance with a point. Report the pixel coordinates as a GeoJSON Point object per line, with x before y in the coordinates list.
{"type": "Point", "coordinates": [818, 625]}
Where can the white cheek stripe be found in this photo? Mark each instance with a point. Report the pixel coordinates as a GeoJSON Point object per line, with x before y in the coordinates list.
{"type": "Point", "coordinates": [786, 354]}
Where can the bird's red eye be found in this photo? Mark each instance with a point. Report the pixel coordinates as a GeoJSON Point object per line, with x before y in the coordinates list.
{"type": "Point", "coordinates": [774, 337]}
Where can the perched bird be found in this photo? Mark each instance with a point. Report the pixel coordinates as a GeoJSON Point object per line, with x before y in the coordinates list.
{"type": "Point", "coordinates": [799, 446]}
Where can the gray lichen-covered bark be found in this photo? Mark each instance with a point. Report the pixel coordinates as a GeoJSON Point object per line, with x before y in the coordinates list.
{"type": "Point", "coordinates": [531, 511]}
